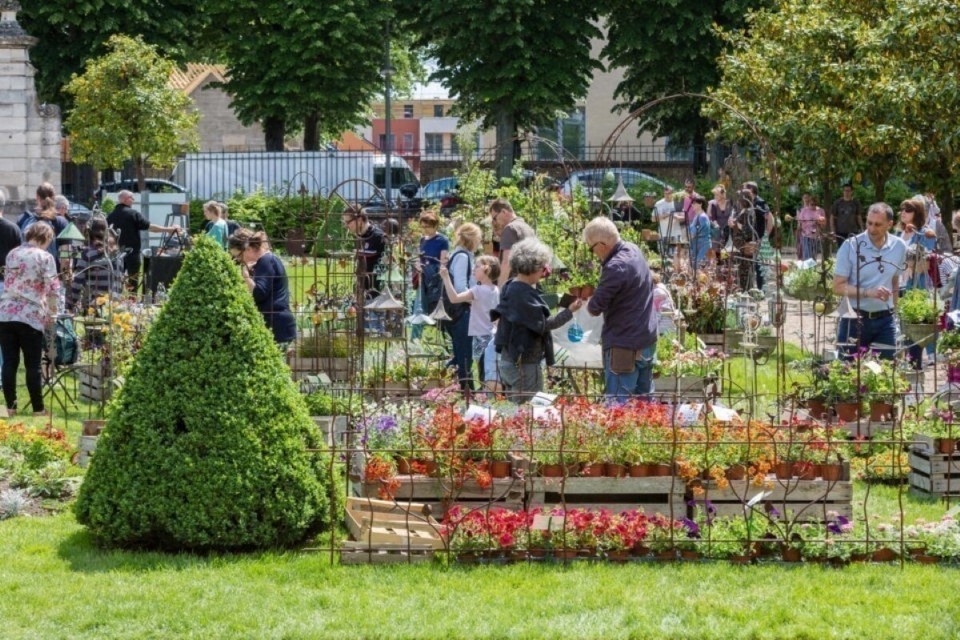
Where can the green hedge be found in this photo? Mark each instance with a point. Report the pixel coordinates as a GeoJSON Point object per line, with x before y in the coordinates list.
{"type": "Point", "coordinates": [204, 446]}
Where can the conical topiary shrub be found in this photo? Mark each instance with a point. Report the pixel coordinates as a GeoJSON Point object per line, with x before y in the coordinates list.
{"type": "Point", "coordinates": [204, 446]}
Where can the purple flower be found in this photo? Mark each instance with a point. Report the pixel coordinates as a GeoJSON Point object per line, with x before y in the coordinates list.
{"type": "Point", "coordinates": [693, 529]}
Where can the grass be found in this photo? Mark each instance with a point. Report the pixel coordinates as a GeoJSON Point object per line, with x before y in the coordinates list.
{"type": "Point", "coordinates": [55, 583]}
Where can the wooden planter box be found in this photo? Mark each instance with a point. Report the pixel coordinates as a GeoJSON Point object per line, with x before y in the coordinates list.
{"type": "Point", "coordinates": [443, 493]}
{"type": "Point", "coordinates": [793, 499]}
{"type": "Point", "coordinates": [85, 449]}
{"type": "Point", "coordinates": [663, 494]}
{"type": "Point", "coordinates": [673, 384]}
{"type": "Point", "coordinates": [386, 533]}
{"type": "Point", "coordinates": [95, 383]}
{"type": "Point", "coordinates": [867, 429]}
{"type": "Point", "coordinates": [933, 473]}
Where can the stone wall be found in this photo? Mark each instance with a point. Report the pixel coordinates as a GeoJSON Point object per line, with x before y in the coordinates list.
{"type": "Point", "coordinates": [29, 131]}
{"type": "Point", "coordinates": [219, 127]}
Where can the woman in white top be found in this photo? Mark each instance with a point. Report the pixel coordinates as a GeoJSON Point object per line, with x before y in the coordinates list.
{"type": "Point", "coordinates": [483, 297]}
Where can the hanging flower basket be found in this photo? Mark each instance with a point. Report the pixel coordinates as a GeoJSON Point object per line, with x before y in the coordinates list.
{"type": "Point", "coordinates": [919, 334]}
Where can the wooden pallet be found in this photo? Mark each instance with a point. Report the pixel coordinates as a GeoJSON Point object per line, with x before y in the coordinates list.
{"type": "Point", "coordinates": [94, 385]}
{"type": "Point", "coordinates": [662, 494]}
{"type": "Point", "coordinates": [931, 473]}
{"type": "Point", "coordinates": [375, 523]}
{"type": "Point", "coordinates": [358, 553]}
{"type": "Point", "coordinates": [85, 449]}
{"type": "Point", "coordinates": [441, 494]}
{"type": "Point", "coordinates": [794, 499]}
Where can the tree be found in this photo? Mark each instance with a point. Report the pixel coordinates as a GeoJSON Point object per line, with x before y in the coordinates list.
{"type": "Point", "coordinates": [297, 62]}
{"type": "Point", "coordinates": [666, 47]}
{"type": "Point", "coordinates": [841, 86]}
{"type": "Point", "coordinates": [512, 64]}
{"type": "Point", "coordinates": [71, 32]}
{"type": "Point", "coordinates": [205, 444]}
{"type": "Point", "coordinates": [125, 110]}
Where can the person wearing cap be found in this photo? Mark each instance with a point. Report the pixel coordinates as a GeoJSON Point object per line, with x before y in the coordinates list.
{"type": "Point", "coordinates": [867, 275]}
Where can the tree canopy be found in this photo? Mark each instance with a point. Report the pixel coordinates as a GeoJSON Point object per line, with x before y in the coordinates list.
{"type": "Point", "coordinates": [667, 47]}
{"type": "Point", "coordinates": [71, 32]}
{"type": "Point", "coordinates": [125, 110]}
{"type": "Point", "coordinates": [510, 63]}
{"type": "Point", "coordinates": [841, 86]}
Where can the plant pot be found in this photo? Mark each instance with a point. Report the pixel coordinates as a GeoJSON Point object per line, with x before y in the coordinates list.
{"type": "Point", "coordinates": [640, 470]}
{"type": "Point", "coordinates": [645, 235]}
{"type": "Point", "coordinates": [919, 334]}
{"type": "Point", "coordinates": [817, 409]}
{"type": "Point", "coordinates": [551, 470]}
{"type": "Point", "coordinates": [689, 555]}
{"type": "Point", "coordinates": [884, 554]}
{"type": "Point", "coordinates": [661, 470]}
{"type": "Point", "coordinates": [432, 468]}
{"type": "Point", "coordinates": [740, 559]}
{"type": "Point", "coordinates": [848, 411]}
{"type": "Point", "coordinates": [537, 554]}
{"type": "Point", "coordinates": [565, 555]}
{"type": "Point", "coordinates": [946, 445]}
{"type": "Point", "coordinates": [403, 466]}
{"type": "Point", "coordinates": [783, 470]}
{"type": "Point", "coordinates": [668, 555]}
{"type": "Point", "coordinates": [925, 559]}
{"type": "Point", "coordinates": [789, 554]}
{"type": "Point", "coordinates": [831, 472]}
{"type": "Point", "coordinates": [618, 556]}
{"type": "Point", "coordinates": [712, 339]}
{"type": "Point", "coordinates": [586, 291]}
{"type": "Point", "coordinates": [591, 469]}
{"type": "Point", "coordinates": [805, 470]}
{"type": "Point", "coordinates": [882, 411]}
{"type": "Point", "coordinates": [614, 470]}
{"type": "Point", "coordinates": [467, 557]}
{"type": "Point", "coordinates": [736, 472]}
{"type": "Point", "coordinates": [639, 551]}
{"type": "Point", "coordinates": [93, 427]}
{"type": "Point", "coordinates": [500, 468]}
{"type": "Point", "coordinates": [519, 555]}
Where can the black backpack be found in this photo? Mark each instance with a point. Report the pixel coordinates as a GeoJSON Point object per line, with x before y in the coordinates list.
{"type": "Point", "coordinates": [455, 311]}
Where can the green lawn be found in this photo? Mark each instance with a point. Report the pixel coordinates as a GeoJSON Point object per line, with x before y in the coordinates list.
{"type": "Point", "coordinates": [55, 583]}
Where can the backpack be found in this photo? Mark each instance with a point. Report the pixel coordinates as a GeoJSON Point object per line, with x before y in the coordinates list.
{"type": "Point", "coordinates": [455, 311]}
{"type": "Point", "coordinates": [66, 342]}
{"type": "Point", "coordinates": [25, 221]}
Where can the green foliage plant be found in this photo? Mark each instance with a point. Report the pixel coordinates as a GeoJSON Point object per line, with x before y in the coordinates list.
{"type": "Point", "coordinates": [205, 445]}
{"type": "Point", "coordinates": [916, 306]}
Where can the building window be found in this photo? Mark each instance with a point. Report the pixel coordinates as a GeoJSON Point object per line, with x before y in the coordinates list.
{"type": "Point", "coordinates": [383, 142]}
{"type": "Point", "coordinates": [407, 142]}
{"type": "Point", "coordinates": [408, 111]}
{"type": "Point", "coordinates": [438, 111]}
{"type": "Point", "coordinates": [454, 145]}
{"type": "Point", "coordinates": [433, 143]}
{"type": "Point", "coordinates": [564, 137]}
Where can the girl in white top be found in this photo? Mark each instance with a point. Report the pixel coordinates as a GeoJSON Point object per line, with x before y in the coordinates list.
{"type": "Point", "coordinates": [483, 297]}
{"type": "Point", "coordinates": [663, 306]}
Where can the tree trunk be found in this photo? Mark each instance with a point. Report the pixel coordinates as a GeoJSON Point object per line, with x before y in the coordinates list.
{"type": "Point", "coordinates": [274, 130]}
{"type": "Point", "coordinates": [700, 165]}
{"type": "Point", "coordinates": [311, 132]}
{"type": "Point", "coordinates": [141, 177]}
{"type": "Point", "coordinates": [506, 131]}
{"type": "Point", "coordinates": [879, 175]}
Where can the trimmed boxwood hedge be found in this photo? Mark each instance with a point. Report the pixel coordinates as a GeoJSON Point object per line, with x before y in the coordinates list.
{"type": "Point", "coordinates": [204, 446]}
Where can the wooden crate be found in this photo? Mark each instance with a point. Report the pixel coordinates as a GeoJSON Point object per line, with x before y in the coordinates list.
{"type": "Point", "coordinates": [804, 499]}
{"type": "Point", "coordinates": [662, 494]}
{"type": "Point", "coordinates": [85, 449]}
{"type": "Point", "coordinates": [357, 553]}
{"type": "Point", "coordinates": [93, 382]}
{"type": "Point", "coordinates": [441, 494]}
{"type": "Point", "coordinates": [864, 428]}
{"type": "Point", "coordinates": [932, 473]}
{"type": "Point", "coordinates": [387, 533]}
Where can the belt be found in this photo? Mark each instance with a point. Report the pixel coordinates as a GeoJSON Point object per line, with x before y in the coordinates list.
{"type": "Point", "coordinates": [875, 315]}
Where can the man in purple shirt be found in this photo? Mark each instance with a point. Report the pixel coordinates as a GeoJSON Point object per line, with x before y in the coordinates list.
{"type": "Point", "coordinates": [624, 296]}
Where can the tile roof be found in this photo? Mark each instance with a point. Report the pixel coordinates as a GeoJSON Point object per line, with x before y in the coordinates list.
{"type": "Point", "coordinates": [189, 78]}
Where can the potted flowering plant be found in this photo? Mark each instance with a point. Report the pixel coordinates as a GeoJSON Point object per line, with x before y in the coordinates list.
{"type": "Point", "coordinates": [840, 388]}
{"type": "Point", "coordinates": [918, 315]}
{"type": "Point", "coordinates": [884, 385]}
{"type": "Point", "coordinates": [937, 423]}
{"type": "Point", "coordinates": [948, 346]}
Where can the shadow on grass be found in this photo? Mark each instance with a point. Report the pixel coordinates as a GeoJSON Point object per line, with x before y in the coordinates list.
{"type": "Point", "coordinates": [81, 550]}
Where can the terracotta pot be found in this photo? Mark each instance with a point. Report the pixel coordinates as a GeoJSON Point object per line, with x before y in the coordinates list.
{"type": "Point", "coordinates": [805, 470]}
{"type": "Point", "coordinates": [645, 235]}
{"type": "Point", "coordinates": [403, 466]}
{"type": "Point", "coordinates": [883, 555]}
{"type": "Point", "coordinates": [817, 409]}
{"type": "Point", "coordinates": [925, 559]}
{"type": "Point", "coordinates": [500, 468]}
{"type": "Point", "coordinates": [848, 411]}
{"type": "Point", "coordinates": [565, 554]}
{"type": "Point", "coordinates": [666, 556]}
{"type": "Point", "coordinates": [640, 470]}
{"type": "Point", "coordinates": [551, 470]}
{"type": "Point", "coordinates": [789, 554]}
{"type": "Point", "coordinates": [591, 469]}
{"type": "Point", "coordinates": [661, 470]}
{"type": "Point", "coordinates": [740, 560]}
{"type": "Point", "coordinates": [946, 445]}
{"type": "Point", "coordinates": [614, 470]}
{"type": "Point", "coordinates": [468, 557]}
{"type": "Point", "coordinates": [586, 291]}
{"type": "Point", "coordinates": [537, 554]}
{"type": "Point", "coordinates": [433, 469]}
{"type": "Point", "coordinates": [881, 412]}
{"type": "Point", "coordinates": [618, 556]}
{"type": "Point", "coordinates": [689, 554]}
{"type": "Point", "coordinates": [736, 472]}
{"type": "Point", "coordinates": [639, 551]}
{"type": "Point", "coordinates": [859, 557]}
{"type": "Point", "coordinates": [783, 470]}
{"type": "Point", "coordinates": [519, 555]}
{"type": "Point", "coordinates": [831, 472]}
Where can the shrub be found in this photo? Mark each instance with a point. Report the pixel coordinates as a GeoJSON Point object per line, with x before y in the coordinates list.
{"type": "Point", "coordinates": [204, 446]}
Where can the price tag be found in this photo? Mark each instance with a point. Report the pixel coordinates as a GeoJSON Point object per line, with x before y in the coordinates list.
{"type": "Point", "coordinates": [475, 412]}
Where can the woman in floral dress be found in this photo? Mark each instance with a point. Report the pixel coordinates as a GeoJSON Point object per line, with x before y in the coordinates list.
{"type": "Point", "coordinates": [28, 305]}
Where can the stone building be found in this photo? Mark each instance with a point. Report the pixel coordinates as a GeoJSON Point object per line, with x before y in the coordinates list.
{"type": "Point", "coordinates": [29, 131]}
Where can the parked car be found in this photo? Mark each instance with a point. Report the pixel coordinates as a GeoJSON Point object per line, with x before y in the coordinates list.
{"type": "Point", "coordinates": [442, 191]}
{"type": "Point", "coordinates": [154, 185]}
{"type": "Point", "coordinates": [78, 213]}
{"type": "Point", "coordinates": [593, 179]}
{"type": "Point", "coordinates": [408, 205]}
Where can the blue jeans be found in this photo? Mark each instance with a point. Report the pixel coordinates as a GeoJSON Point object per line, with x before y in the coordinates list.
{"type": "Point", "coordinates": [520, 380]}
{"type": "Point", "coordinates": [879, 331]}
{"type": "Point", "coordinates": [462, 349]}
{"type": "Point", "coordinates": [620, 387]}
